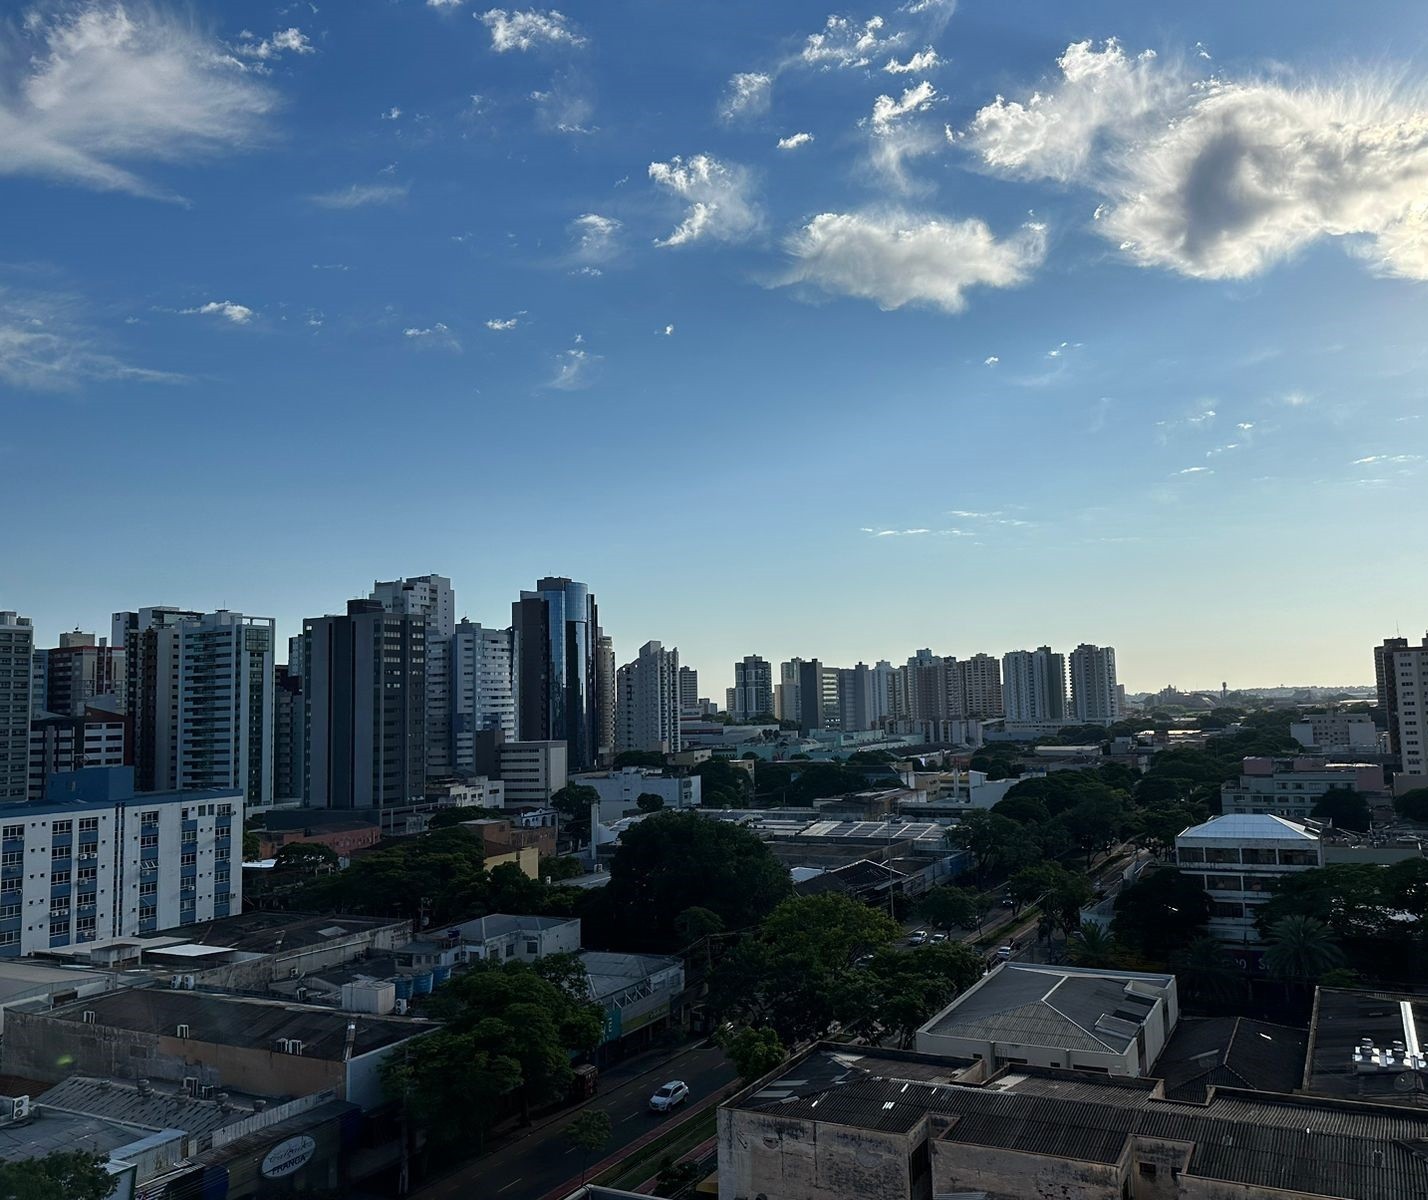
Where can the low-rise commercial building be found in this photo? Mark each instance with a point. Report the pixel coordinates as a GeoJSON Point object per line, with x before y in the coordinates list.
{"type": "Point", "coordinates": [502, 937]}
{"type": "Point", "coordinates": [1291, 787]}
{"type": "Point", "coordinates": [1336, 733]}
{"type": "Point", "coordinates": [620, 790]}
{"type": "Point", "coordinates": [636, 991]}
{"type": "Point", "coordinates": [1238, 859]}
{"type": "Point", "coordinates": [1112, 1022]}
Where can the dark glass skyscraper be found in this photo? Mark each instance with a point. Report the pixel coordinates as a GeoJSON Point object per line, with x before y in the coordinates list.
{"type": "Point", "coordinates": [556, 630]}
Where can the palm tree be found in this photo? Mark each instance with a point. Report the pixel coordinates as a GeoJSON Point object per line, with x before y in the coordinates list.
{"type": "Point", "coordinates": [1301, 949]}
{"type": "Point", "coordinates": [1209, 973]}
{"type": "Point", "coordinates": [1093, 946]}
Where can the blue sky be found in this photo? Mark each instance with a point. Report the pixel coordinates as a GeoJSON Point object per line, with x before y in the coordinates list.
{"type": "Point", "coordinates": [968, 326]}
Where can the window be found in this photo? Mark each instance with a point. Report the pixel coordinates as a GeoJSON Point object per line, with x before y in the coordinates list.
{"type": "Point", "coordinates": [532, 947]}
{"type": "Point", "coordinates": [151, 888]}
{"type": "Point", "coordinates": [151, 817]}
{"type": "Point", "coordinates": [149, 841]}
{"type": "Point", "coordinates": [8, 937]}
{"type": "Point", "coordinates": [12, 858]}
{"type": "Point", "coordinates": [1147, 1170]}
{"type": "Point", "coordinates": [62, 827]}
{"type": "Point", "coordinates": [188, 859]}
{"type": "Point", "coordinates": [222, 853]}
{"type": "Point", "coordinates": [225, 810]}
{"type": "Point", "coordinates": [13, 831]}
{"type": "Point", "coordinates": [59, 877]}
{"type": "Point", "coordinates": [190, 836]}
{"type": "Point", "coordinates": [89, 825]}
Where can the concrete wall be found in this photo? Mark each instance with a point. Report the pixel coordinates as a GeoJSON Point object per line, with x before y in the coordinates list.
{"type": "Point", "coordinates": [1038, 1056]}
{"type": "Point", "coordinates": [803, 1160]}
{"type": "Point", "coordinates": [1008, 1175]}
{"type": "Point", "coordinates": [254, 975]}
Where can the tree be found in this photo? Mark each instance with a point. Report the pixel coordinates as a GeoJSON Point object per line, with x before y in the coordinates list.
{"type": "Point", "coordinates": [900, 991]}
{"type": "Point", "coordinates": [1024, 810]}
{"type": "Point", "coordinates": [1300, 950]}
{"type": "Point", "coordinates": [945, 907]}
{"type": "Point", "coordinates": [1344, 808]}
{"type": "Point", "coordinates": [252, 846]}
{"type": "Point", "coordinates": [1209, 975]}
{"type": "Point", "coordinates": [649, 802]}
{"type": "Point", "coordinates": [62, 1175]}
{"type": "Point", "coordinates": [1092, 945]}
{"type": "Point", "coordinates": [573, 803]}
{"type": "Point", "coordinates": [672, 861]}
{"type": "Point", "coordinates": [1063, 893]}
{"type": "Point", "coordinates": [696, 922]}
{"type": "Point", "coordinates": [589, 1132]}
{"type": "Point", "coordinates": [1160, 824]}
{"type": "Point", "coordinates": [308, 857]}
{"type": "Point", "coordinates": [754, 1052]}
{"type": "Point", "coordinates": [723, 785]}
{"type": "Point", "coordinates": [1161, 913]}
{"type": "Point", "coordinates": [451, 1085]}
{"type": "Point", "coordinates": [1412, 805]}
{"type": "Point", "coordinates": [1096, 823]}
{"type": "Point", "coordinates": [561, 867]}
{"type": "Point", "coordinates": [437, 876]}
{"type": "Point", "coordinates": [998, 845]}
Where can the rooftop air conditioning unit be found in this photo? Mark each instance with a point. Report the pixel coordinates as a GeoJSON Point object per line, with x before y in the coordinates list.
{"type": "Point", "coordinates": [190, 1085]}
{"type": "Point", "coordinates": [181, 1031]}
{"type": "Point", "coordinates": [90, 1016]}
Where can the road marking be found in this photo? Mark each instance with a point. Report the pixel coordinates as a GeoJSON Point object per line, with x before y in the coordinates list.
{"type": "Point", "coordinates": [510, 1185]}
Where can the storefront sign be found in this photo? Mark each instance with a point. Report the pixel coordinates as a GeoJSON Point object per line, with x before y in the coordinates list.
{"type": "Point", "coordinates": [287, 1157]}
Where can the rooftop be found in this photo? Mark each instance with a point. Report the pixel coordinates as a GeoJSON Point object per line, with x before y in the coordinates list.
{"type": "Point", "coordinates": [611, 973]}
{"type": "Point", "coordinates": [1343, 1019]}
{"type": "Point", "coordinates": [242, 1021]}
{"type": "Point", "coordinates": [271, 932]}
{"type": "Point", "coordinates": [1236, 827]}
{"type": "Point", "coordinates": [860, 876]}
{"type": "Point", "coordinates": [22, 978]}
{"type": "Point", "coordinates": [1064, 1007]}
{"type": "Point", "coordinates": [1231, 1052]}
{"type": "Point", "coordinates": [500, 924]}
{"type": "Point", "coordinates": [1298, 1145]}
{"type": "Point", "coordinates": [54, 1132]}
{"type": "Point", "coordinates": [165, 1107]}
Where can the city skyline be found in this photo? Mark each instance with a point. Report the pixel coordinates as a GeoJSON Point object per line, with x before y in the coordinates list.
{"type": "Point", "coordinates": [370, 290]}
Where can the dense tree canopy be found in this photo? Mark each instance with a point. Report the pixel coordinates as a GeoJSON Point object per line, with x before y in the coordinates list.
{"type": "Point", "coordinates": [1344, 808]}
{"type": "Point", "coordinates": [1412, 805]}
{"type": "Point", "coordinates": [1161, 914]}
{"type": "Point", "coordinates": [722, 785]}
{"type": "Point", "coordinates": [573, 803]}
{"type": "Point", "coordinates": [754, 1052]}
{"type": "Point", "coordinates": [305, 856]}
{"type": "Point", "coordinates": [63, 1175]}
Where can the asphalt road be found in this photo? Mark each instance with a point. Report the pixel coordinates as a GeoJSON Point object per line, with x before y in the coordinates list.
{"type": "Point", "coordinates": [542, 1160]}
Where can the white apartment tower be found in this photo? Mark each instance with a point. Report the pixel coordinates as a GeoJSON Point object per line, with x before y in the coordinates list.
{"type": "Point", "coordinates": [17, 644]}
{"type": "Point", "coordinates": [647, 702]}
{"type": "Point", "coordinates": [1034, 685]}
{"type": "Point", "coordinates": [482, 692]}
{"type": "Point", "coordinates": [1094, 698]}
{"type": "Point", "coordinates": [432, 598]}
{"type": "Point", "coordinates": [1410, 672]}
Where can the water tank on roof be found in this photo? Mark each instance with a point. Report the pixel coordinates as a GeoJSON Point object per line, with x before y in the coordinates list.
{"type": "Point", "coordinates": [404, 987]}
{"type": "Point", "coordinates": [421, 984]}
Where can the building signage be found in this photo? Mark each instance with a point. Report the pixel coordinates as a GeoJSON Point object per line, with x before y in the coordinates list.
{"type": "Point", "coordinates": [287, 1157]}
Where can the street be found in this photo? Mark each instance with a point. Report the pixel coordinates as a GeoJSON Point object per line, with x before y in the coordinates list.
{"type": "Point", "coordinates": [540, 1161]}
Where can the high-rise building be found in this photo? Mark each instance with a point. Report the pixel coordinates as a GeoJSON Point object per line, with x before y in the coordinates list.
{"type": "Point", "coordinates": [1094, 698]}
{"type": "Point", "coordinates": [818, 706]}
{"type": "Point", "coordinates": [1385, 676]}
{"type": "Point", "coordinates": [753, 689]}
{"type": "Point", "coordinates": [57, 744]}
{"type": "Point", "coordinates": [932, 687]}
{"type": "Point", "coordinates": [364, 697]}
{"type": "Point", "coordinates": [856, 697]}
{"type": "Point", "coordinates": [1410, 706]}
{"type": "Point", "coordinates": [150, 678]}
{"type": "Point", "coordinates": [430, 597]}
{"type": "Point", "coordinates": [557, 672]}
{"type": "Point", "coordinates": [787, 699]}
{"type": "Point", "coordinates": [606, 701]}
{"type": "Point", "coordinates": [482, 690]}
{"type": "Point", "coordinates": [881, 707]}
{"type": "Point", "coordinates": [981, 685]}
{"type": "Point", "coordinates": [688, 690]}
{"type": "Point", "coordinates": [17, 644]}
{"type": "Point", "coordinates": [80, 669]}
{"type": "Point", "coordinates": [1034, 685]}
{"type": "Point", "coordinates": [647, 702]}
{"type": "Point", "coordinates": [287, 733]}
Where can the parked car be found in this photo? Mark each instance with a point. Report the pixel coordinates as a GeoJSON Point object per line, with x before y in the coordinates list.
{"type": "Point", "coordinates": [670, 1096]}
{"type": "Point", "coordinates": [918, 937]}
{"type": "Point", "coordinates": [1008, 902]}
{"type": "Point", "coordinates": [1005, 952]}
{"type": "Point", "coordinates": [938, 937]}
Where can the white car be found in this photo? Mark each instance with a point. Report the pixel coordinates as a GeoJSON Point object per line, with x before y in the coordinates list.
{"type": "Point", "coordinates": [918, 937]}
{"type": "Point", "coordinates": [670, 1096]}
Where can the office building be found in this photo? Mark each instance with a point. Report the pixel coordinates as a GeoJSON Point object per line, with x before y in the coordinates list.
{"type": "Point", "coordinates": [1238, 860]}
{"type": "Point", "coordinates": [1386, 679]}
{"type": "Point", "coordinates": [1336, 733]}
{"type": "Point", "coordinates": [287, 733]}
{"type": "Point", "coordinates": [364, 698]}
{"type": "Point", "coordinates": [432, 598]}
{"type": "Point", "coordinates": [857, 698]}
{"type": "Point", "coordinates": [1034, 685]}
{"type": "Point", "coordinates": [753, 689]}
{"type": "Point", "coordinates": [980, 678]}
{"type": "Point", "coordinates": [150, 689]}
{"type": "Point", "coordinates": [1291, 787]}
{"type": "Point", "coordinates": [606, 701]}
{"type": "Point", "coordinates": [530, 772]}
{"type": "Point", "coordinates": [17, 644]}
{"type": "Point", "coordinates": [557, 668]}
{"type": "Point", "coordinates": [1095, 699]}
{"type": "Point", "coordinates": [647, 702]}
{"type": "Point", "coordinates": [95, 859]}
{"type": "Point", "coordinates": [1408, 711]}
{"type": "Point", "coordinates": [787, 697]}
{"type": "Point", "coordinates": [80, 669]}
{"type": "Point", "coordinates": [96, 739]}
{"type": "Point", "coordinates": [818, 696]}
{"type": "Point", "coordinates": [482, 690]}
{"type": "Point", "coordinates": [688, 690]}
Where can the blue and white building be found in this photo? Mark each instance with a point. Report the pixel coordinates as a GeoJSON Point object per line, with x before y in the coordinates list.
{"type": "Point", "coordinates": [95, 860]}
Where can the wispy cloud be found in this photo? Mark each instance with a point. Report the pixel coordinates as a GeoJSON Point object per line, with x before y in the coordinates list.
{"type": "Point", "coordinates": [284, 41]}
{"type": "Point", "coordinates": [794, 141]}
{"type": "Point", "coordinates": [437, 336]}
{"type": "Point", "coordinates": [896, 259]}
{"type": "Point", "coordinates": [747, 95]}
{"type": "Point", "coordinates": [502, 324]}
{"type": "Point", "coordinates": [923, 60]}
{"type": "Point", "coordinates": [896, 137]}
{"type": "Point", "coordinates": [718, 195]}
{"type": "Point", "coordinates": [595, 237]}
{"type": "Point", "coordinates": [574, 369]}
{"type": "Point", "coordinates": [990, 361]}
{"type": "Point", "coordinates": [237, 314]}
{"type": "Point", "coordinates": [362, 195]}
{"type": "Point", "coordinates": [843, 43]}
{"type": "Point", "coordinates": [527, 30]}
{"type": "Point", "coordinates": [1195, 471]}
{"type": "Point", "coordinates": [96, 87]}
{"type": "Point", "coordinates": [667, 331]}
{"type": "Point", "coordinates": [1219, 179]}
{"type": "Point", "coordinates": [1398, 459]}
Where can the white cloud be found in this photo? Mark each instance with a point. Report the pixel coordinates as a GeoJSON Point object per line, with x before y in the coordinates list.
{"type": "Point", "coordinates": [284, 41]}
{"type": "Point", "coordinates": [990, 361]}
{"type": "Point", "coordinates": [719, 204]}
{"type": "Point", "coordinates": [502, 324]}
{"type": "Point", "coordinates": [895, 139]}
{"type": "Point", "coordinates": [362, 195]}
{"type": "Point", "coordinates": [667, 331]}
{"type": "Point", "coordinates": [518, 30]}
{"type": "Point", "coordinates": [887, 111]}
{"type": "Point", "coordinates": [239, 314]}
{"type": "Point", "coordinates": [564, 108]}
{"type": "Point", "coordinates": [794, 141]}
{"type": "Point", "coordinates": [1218, 179]}
{"type": "Point", "coordinates": [923, 60]}
{"type": "Point", "coordinates": [747, 95]}
{"type": "Point", "coordinates": [897, 259]}
{"type": "Point", "coordinates": [1195, 471]}
{"type": "Point", "coordinates": [99, 87]}
{"type": "Point", "coordinates": [596, 237]}
{"type": "Point", "coordinates": [47, 344]}
{"type": "Point", "coordinates": [844, 43]}
{"type": "Point", "coordinates": [445, 3]}
{"type": "Point", "coordinates": [392, 114]}
{"type": "Point", "coordinates": [574, 369]}
{"type": "Point", "coordinates": [1387, 458]}
{"type": "Point", "coordinates": [436, 336]}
